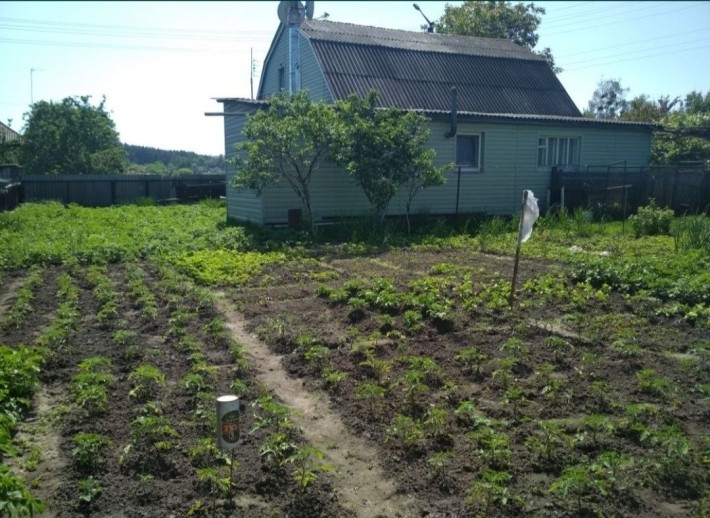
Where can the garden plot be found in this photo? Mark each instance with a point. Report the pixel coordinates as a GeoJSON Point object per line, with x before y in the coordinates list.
{"type": "Point", "coordinates": [589, 397]}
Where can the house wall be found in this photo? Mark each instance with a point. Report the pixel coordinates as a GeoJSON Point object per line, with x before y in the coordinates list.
{"type": "Point", "coordinates": [242, 205]}
{"type": "Point", "coordinates": [312, 78]}
{"type": "Point", "coordinates": [509, 167]}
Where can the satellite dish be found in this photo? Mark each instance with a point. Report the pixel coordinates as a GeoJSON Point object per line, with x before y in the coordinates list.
{"type": "Point", "coordinates": [290, 13]}
{"type": "Point", "coordinates": [309, 9]}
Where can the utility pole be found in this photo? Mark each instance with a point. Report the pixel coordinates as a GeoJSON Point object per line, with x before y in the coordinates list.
{"type": "Point", "coordinates": [251, 71]}
{"type": "Point", "coordinates": [32, 95]}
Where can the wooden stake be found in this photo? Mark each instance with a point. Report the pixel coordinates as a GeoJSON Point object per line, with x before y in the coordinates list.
{"type": "Point", "coordinates": [517, 249]}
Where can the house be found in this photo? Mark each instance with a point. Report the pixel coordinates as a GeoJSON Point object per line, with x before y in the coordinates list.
{"type": "Point", "coordinates": [7, 134]}
{"type": "Point", "coordinates": [496, 110]}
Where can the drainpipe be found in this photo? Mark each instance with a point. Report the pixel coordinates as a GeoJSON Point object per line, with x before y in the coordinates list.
{"type": "Point", "coordinates": [454, 108]}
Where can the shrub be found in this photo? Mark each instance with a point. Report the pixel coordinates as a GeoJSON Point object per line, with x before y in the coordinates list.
{"type": "Point", "coordinates": [651, 220]}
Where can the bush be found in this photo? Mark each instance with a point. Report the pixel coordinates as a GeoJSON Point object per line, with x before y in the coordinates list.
{"type": "Point", "coordinates": [652, 220]}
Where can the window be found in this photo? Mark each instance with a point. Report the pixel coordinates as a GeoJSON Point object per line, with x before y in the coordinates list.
{"type": "Point", "coordinates": [282, 83]}
{"type": "Point", "coordinates": [552, 151]}
{"type": "Point", "coordinates": [468, 152]}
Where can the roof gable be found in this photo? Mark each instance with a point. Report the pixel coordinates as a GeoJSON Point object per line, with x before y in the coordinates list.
{"type": "Point", "coordinates": [416, 70]}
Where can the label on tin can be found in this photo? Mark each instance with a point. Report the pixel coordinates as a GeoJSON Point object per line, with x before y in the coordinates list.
{"type": "Point", "coordinates": [230, 427]}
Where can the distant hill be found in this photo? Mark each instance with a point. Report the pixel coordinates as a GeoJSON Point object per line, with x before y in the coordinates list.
{"type": "Point", "coordinates": [161, 161]}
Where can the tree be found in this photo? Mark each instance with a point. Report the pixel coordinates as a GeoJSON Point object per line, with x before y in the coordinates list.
{"type": "Point", "coordinates": [643, 109]}
{"type": "Point", "coordinates": [608, 101]}
{"type": "Point", "coordinates": [496, 19]}
{"type": "Point", "coordinates": [384, 150]}
{"type": "Point", "coordinates": [285, 143]}
{"type": "Point", "coordinates": [695, 102]}
{"type": "Point", "coordinates": [677, 145]}
{"type": "Point", "coordinates": [71, 137]}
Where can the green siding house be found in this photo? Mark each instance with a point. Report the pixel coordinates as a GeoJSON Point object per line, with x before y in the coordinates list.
{"type": "Point", "coordinates": [496, 110]}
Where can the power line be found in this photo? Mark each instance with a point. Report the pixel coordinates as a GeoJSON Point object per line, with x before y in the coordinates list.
{"type": "Point", "coordinates": [597, 49]}
{"type": "Point", "coordinates": [636, 58]}
{"type": "Point", "coordinates": [109, 46]}
{"type": "Point", "coordinates": [597, 26]}
{"type": "Point", "coordinates": [605, 12]}
{"type": "Point", "coordinates": [131, 29]}
{"type": "Point", "coordinates": [601, 58]}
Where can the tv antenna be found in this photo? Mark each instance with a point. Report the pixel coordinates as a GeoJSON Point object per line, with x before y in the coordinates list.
{"type": "Point", "coordinates": [431, 24]}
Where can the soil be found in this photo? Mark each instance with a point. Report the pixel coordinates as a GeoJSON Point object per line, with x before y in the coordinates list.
{"type": "Point", "coordinates": [279, 314]}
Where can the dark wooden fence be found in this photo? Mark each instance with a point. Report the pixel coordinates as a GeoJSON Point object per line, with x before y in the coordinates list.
{"type": "Point", "coordinates": [617, 190]}
{"type": "Point", "coordinates": [106, 190]}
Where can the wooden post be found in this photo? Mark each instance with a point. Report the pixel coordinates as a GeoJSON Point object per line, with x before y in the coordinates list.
{"type": "Point", "coordinates": [517, 249]}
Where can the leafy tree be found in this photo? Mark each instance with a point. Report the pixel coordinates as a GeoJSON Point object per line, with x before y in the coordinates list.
{"type": "Point", "coordinates": [643, 109]}
{"type": "Point", "coordinates": [608, 101]}
{"type": "Point", "coordinates": [496, 19]}
{"type": "Point", "coordinates": [678, 145]}
{"type": "Point", "coordinates": [695, 102]}
{"type": "Point", "coordinates": [10, 150]}
{"type": "Point", "coordinates": [286, 143]}
{"type": "Point", "coordinates": [72, 136]}
{"type": "Point", "coordinates": [384, 150]}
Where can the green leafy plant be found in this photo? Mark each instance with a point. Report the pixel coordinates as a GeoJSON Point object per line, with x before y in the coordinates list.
{"type": "Point", "coordinates": [15, 498]}
{"type": "Point", "coordinates": [147, 382]}
{"type": "Point", "coordinates": [307, 462]}
{"type": "Point", "coordinates": [89, 489]}
{"type": "Point", "coordinates": [651, 220]}
{"type": "Point", "coordinates": [491, 490]}
{"type": "Point", "coordinates": [577, 482]}
{"type": "Point", "coordinates": [372, 393]}
{"type": "Point", "coordinates": [650, 382]}
{"type": "Point", "coordinates": [87, 450]}
{"type": "Point", "coordinates": [407, 430]}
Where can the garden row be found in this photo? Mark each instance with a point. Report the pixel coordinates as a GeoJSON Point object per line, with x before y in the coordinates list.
{"type": "Point", "coordinates": [140, 354]}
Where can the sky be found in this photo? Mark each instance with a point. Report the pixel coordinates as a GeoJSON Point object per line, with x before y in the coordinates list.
{"type": "Point", "coordinates": [160, 65]}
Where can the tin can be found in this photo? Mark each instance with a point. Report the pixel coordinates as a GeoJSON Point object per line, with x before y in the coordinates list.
{"type": "Point", "coordinates": [228, 422]}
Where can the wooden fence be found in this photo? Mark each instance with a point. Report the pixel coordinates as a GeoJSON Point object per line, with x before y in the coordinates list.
{"type": "Point", "coordinates": [617, 190]}
{"type": "Point", "coordinates": [107, 190]}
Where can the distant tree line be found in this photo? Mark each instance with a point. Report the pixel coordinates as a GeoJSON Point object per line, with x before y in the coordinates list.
{"type": "Point", "coordinates": [151, 160]}
{"type": "Point", "coordinates": [76, 137]}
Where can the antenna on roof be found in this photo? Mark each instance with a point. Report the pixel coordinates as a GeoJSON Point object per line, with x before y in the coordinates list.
{"type": "Point", "coordinates": [431, 24]}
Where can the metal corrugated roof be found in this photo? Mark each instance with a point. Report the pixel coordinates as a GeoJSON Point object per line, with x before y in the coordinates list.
{"type": "Point", "coordinates": [416, 70]}
{"type": "Point", "coordinates": [420, 41]}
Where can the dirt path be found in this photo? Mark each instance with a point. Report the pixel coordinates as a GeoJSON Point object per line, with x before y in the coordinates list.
{"type": "Point", "coordinates": [10, 291]}
{"type": "Point", "coordinates": [364, 488]}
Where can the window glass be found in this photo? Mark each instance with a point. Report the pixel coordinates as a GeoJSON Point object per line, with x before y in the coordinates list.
{"type": "Point", "coordinates": [468, 151]}
{"type": "Point", "coordinates": [553, 151]}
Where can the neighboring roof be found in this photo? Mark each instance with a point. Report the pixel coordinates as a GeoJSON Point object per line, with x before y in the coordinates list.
{"type": "Point", "coordinates": [416, 70]}
{"type": "Point", "coordinates": [7, 133]}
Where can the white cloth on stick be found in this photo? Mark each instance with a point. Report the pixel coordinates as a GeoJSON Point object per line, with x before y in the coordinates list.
{"type": "Point", "coordinates": [529, 215]}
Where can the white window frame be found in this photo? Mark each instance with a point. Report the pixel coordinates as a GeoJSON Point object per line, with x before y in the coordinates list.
{"type": "Point", "coordinates": [558, 151]}
{"type": "Point", "coordinates": [478, 168]}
